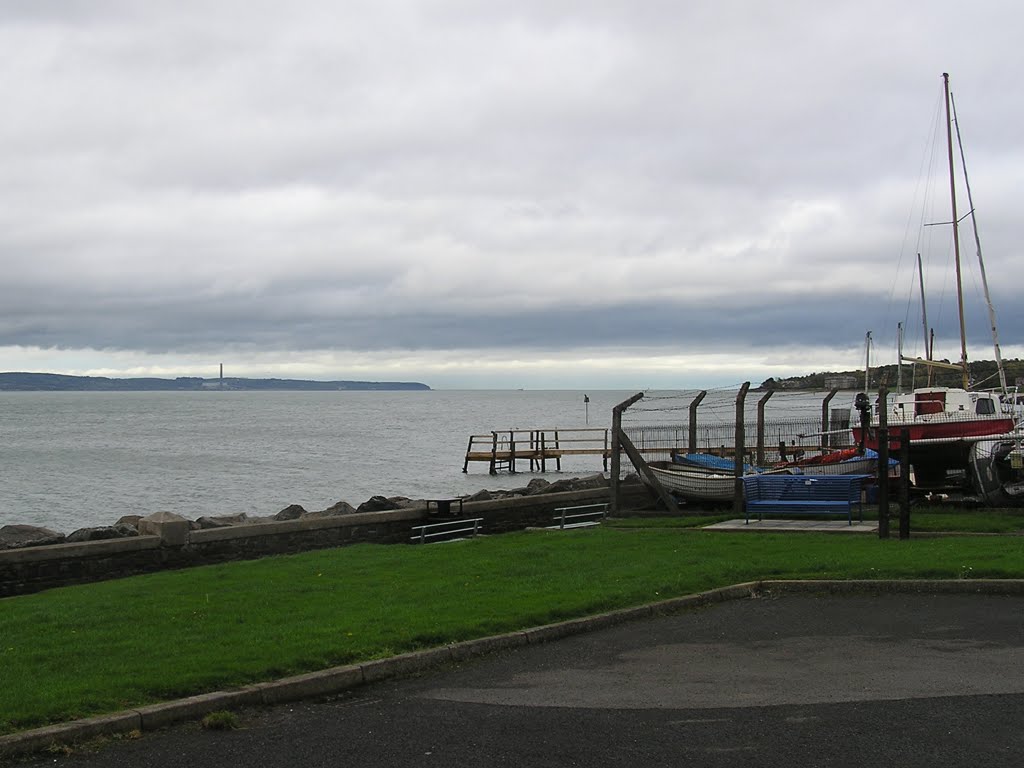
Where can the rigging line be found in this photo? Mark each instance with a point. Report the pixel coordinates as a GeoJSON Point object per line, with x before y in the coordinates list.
{"type": "Point", "coordinates": [981, 261]}
{"type": "Point", "coordinates": [924, 228]}
{"type": "Point", "coordinates": [922, 191]}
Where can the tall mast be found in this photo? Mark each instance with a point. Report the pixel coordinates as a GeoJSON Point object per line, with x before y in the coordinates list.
{"type": "Point", "coordinates": [956, 233]}
{"type": "Point", "coordinates": [981, 260]}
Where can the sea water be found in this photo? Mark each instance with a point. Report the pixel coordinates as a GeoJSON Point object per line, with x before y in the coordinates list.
{"type": "Point", "coordinates": [76, 459]}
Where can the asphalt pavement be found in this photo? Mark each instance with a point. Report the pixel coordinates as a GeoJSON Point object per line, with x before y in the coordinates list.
{"type": "Point", "coordinates": [800, 680]}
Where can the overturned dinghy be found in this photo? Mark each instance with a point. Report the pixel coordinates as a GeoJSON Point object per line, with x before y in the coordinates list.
{"type": "Point", "coordinates": [997, 471]}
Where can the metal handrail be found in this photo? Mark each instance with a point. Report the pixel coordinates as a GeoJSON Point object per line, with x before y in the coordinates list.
{"type": "Point", "coordinates": [593, 517]}
{"type": "Point", "coordinates": [471, 526]}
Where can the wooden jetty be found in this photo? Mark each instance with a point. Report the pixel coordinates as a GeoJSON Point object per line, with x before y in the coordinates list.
{"type": "Point", "coordinates": [501, 450]}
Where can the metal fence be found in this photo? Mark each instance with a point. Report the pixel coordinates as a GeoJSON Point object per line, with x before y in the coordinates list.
{"type": "Point", "coordinates": [777, 440]}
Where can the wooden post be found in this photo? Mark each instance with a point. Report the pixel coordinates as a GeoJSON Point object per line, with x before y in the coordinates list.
{"type": "Point", "coordinates": [469, 448]}
{"type": "Point", "coordinates": [511, 451]}
{"type": "Point", "coordinates": [494, 453]}
{"type": "Point", "coordinates": [883, 463]}
{"type": "Point", "coordinates": [824, 418]}
{"type": "Point", "coordinates": [693, 420]}
{"type": "Point", "coordinates": [558, 454]}
{"type": "Point", "coordinates": [738, 450]}
{"type": "Point", "coordinates": [643, 469]}
{"type": "Point", "coordinates": [604, 456]}
{"type": "Point", "coordinates": [616, 448]}
{"type": "Point", "coordinates": [905, 483]}
{"type": "Point", "coordinates": [760, 425]}
{"type": "Point", "coordinates": [543, 454]}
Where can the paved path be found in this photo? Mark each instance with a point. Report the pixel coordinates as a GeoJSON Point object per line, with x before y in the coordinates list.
{"type": "Point", "coordinates": [894, 680]}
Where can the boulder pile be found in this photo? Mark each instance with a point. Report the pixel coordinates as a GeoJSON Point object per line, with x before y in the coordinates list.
{"type": "Point", "coordinates": [18, 536]}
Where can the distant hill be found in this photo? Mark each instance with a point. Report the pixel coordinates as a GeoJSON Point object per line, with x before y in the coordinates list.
{"type": "Point", "coordinates": [55, 382]}
{"type": "Point", "coordinates": [983, 375]}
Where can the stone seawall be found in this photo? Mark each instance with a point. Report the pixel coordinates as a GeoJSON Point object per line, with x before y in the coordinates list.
{"type": "Point", "coordinates": [172, 544]}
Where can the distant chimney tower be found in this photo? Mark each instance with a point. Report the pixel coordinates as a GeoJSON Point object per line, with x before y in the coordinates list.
{"type": "Point", "coordinates": [222, 374]}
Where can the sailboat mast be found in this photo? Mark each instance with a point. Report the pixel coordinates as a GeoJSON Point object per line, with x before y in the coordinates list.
{"type": "Point", "coordinates": [924, 320]}
{"type": "Point", "coordinates": [956, 233]}
{"type": "Point", "coordinates": [981, 260]}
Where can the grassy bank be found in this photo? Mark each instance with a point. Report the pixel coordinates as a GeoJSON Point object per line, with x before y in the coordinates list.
{"type": "Point", "coordinates": [83, 650]}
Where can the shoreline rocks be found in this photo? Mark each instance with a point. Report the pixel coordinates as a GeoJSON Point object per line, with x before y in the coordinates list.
{"type": "Point", "coordinates": [19, 536]}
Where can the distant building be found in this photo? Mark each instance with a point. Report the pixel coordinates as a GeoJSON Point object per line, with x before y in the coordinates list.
{"type": "Point", "coordinates": [840, 382]}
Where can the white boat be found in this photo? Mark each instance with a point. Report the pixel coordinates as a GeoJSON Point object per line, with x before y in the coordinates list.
{"type": "Point", "coordinates": [694, 483]}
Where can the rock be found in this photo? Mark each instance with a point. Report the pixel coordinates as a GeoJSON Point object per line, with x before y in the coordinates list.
{"type": "Point", "coordinates": [18, 536]}
{"type": "Point", "coordinates": [119, 531]}
{"type": "Point", "coordinates": [575, 484]}
{"type": "Point", "coordinates": [536, 486]}
{"type": "Point", "coordinates": [291, 512]}
{"type": "Point", "coordinates": [590, 481]}
{"type": "Point", "coordinates": [481, 495]}
{"type": "Point", "coordinates": [401, 502]}
{"type": "Point", "coordinates": [222, 521]}
{"type": "Point", "coordinates": [377, 504]}
{"type": "Point", "coordinates": [559, 486]}
{"type": "Point", "coordinates": [132, 520]}
{"type": "Point", "coordinates": [341, 508]}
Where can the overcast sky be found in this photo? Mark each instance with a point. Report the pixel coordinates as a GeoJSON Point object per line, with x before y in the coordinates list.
{"type": "Point", "coordinates": [526, 193]}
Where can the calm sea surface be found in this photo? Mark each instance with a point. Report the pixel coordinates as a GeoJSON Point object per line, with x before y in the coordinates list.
{"type": "Point", "coordinates": [75, 459]}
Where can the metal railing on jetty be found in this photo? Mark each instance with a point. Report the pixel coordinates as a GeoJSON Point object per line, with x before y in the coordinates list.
{"type": "Point", "coordinates": [501, 450]}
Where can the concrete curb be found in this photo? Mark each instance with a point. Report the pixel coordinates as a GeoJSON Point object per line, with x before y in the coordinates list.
{"type": "Point", "coordinates": [338, 679]}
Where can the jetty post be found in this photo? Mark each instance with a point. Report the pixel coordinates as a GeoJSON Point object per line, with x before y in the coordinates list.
{"type": "Point", "coordinates": [739, 450]}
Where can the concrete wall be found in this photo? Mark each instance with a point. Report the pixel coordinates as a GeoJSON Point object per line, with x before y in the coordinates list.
{"type": "Point", "coordinates": [33, 569]}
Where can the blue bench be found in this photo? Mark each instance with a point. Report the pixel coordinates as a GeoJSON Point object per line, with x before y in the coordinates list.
{"type": "Point", "coordinates": [803, 495]}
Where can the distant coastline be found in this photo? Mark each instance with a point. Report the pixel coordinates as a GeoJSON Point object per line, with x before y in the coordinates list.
{"type": "Point", "coordinates": [56, 382]}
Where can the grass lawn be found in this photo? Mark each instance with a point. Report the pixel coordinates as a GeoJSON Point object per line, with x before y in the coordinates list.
{"type": "Point", "coordinates": [78, 651]}
{"type": "Point", "coordinates": [926, 519]}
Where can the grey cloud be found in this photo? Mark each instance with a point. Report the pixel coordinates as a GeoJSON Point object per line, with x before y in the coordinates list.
{"type": "Point", "coordinates": [458, 175]}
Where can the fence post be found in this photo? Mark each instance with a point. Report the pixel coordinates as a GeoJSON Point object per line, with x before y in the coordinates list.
{"type": "Point", "coordinates": [904, 483]}
{"type": "Point", "coordinates": [738, 450]}
{"type": "Point", "coordinates": [883, 463]}
{"type": "Point", "coordinates": [760, 426]}
{"type": "Point", "coordinates": [693, 420]}
{"type": "Point", "coordinates": [621, 442]}
{"type": "Point", "coordinates": [824, 418]}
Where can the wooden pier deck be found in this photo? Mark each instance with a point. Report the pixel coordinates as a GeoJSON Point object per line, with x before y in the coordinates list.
{"type": "Point", "coordinates": [502, 450]}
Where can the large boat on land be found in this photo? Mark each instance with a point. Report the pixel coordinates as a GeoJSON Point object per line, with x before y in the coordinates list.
{"type": "Point", "coordinates": [943, 423]}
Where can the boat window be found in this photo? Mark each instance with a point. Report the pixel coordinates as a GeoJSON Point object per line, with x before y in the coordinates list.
{"type": "Point", "coordinates": [985, 406]}
{"type": "Point", "coordinates": [929, 402]}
